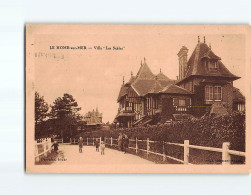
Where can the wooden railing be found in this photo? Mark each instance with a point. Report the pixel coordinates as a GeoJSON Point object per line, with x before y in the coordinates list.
{"type": "Point", "coordinates": [226, 152]}
{"type": "Point", "coordinates": [42, 148]}
{"type": "Point", "coordinates": [59, 140]}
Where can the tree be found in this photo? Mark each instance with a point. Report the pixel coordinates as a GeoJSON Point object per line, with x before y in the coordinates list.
{"type": "Point", "coordinates": [65, 112]}
{"type": "Point", "coordinates": [41, 112]}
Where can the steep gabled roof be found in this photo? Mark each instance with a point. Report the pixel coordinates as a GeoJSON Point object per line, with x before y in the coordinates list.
{"type": "Point", "coordinates": [161, 76]}
{"type": "Point", "coordinates": [144, 80]}
{"type": "Point", "coordinates": [196, 67]}
{"type": "Point", "coordinates": [175, 89]}
{"type": "Point", "coordinates": [156, 88]}
{"type": "Point", "coordinates": [141, 86]}
{"type": "Point", "coordinates": [164, 80]}
{"type": "Point", "coordinates": [238, 97]}
{"type": "Point", "coordinates": [145, 72]}
{"type": "Point", "coordinates": [132, 79]}
{"type": "Point", "coordinates": [122, 92]}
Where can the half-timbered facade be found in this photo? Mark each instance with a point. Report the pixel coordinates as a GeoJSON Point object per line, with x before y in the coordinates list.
{"type": "Point", "coordinates": [204, 87]}
{"type": "Point", "coordinates": [142, 100]}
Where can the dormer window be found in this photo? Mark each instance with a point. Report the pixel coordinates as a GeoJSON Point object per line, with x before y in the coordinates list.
{"type": "Point", "coordinates": [213, 65]}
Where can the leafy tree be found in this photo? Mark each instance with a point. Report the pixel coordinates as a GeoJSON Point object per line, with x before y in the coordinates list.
{"type": "Point", "coordinates": [65, 113]}
{"type": "Point", "coordinates": [41, 112]}
{"type": "Point", "coordinates": [41, 108]}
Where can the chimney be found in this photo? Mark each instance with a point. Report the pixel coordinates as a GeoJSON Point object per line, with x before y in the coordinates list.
{"type": "Point", "coordinates": [182, 62]}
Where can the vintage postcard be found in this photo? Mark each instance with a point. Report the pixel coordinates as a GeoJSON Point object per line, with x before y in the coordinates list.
{"type": "Point", "coordinates": [137, 98]}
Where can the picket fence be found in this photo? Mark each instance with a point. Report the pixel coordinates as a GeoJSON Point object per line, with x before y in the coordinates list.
{"type": "Point", "coordinates": [226, 152]}
{"type": "Point", "coordinates": [43, 147]}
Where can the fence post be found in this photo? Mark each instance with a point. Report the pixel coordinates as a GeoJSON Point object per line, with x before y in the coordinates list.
{"type": "Point", "coordinates": [226, 158]}
{"type": "Point", "coordinates": [164, 153]}
{"type": "Point", "coordinates": [45, 151]}
{"type": "Point", "coordinates": [87, 141]}
{"type": "Point", "coordinates": [186, 152]}
{"type": "Point", "coordinates": [47, 147]}
{"type": "Point", "coordinates": [147, 147]}
{"type": "Point", "coordinates": [93, 141]}
{"type": "Point", "coordinates": [36, 154]}
{"type": "Point", "coordinates": [136, 145]}
{"type": "Point", "coordinates": [62, 140]}
{"type": "Point", "coordinates": [100, 139]}
{"type": "Point", "coordinates": [111, 141]}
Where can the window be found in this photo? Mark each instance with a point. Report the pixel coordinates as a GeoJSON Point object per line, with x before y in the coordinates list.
{"type": "Point", "coordinates": [213, 65]}
{"type": "Point", "coordinates": [241, 107]}
{"type": "Point", "coordinates": [155, 103]}
{"type": "Point", "coordinates": [148, 103]}
{"type": "Point", "coordinates": [209, 93]}
{"type": "Point", "coordinates": [217, 93]}
{"type": "Point", "coordinates": [213, 93]}
{"type": "Point", "coordinates": [182, 102]}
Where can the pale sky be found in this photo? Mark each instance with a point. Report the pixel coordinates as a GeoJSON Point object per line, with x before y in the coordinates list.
{"type": "Point", "coordinates": [94, 77]}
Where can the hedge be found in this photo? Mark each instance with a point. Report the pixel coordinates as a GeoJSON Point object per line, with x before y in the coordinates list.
{"type": "Point", "coordinates": [207, 131]}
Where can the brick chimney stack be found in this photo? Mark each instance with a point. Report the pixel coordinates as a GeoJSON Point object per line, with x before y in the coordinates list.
{"type": "Point", "coordinates": [182, 62]}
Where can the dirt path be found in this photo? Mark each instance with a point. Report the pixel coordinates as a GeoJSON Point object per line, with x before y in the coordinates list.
{"type": "Point", "coordinates": [69, 154]}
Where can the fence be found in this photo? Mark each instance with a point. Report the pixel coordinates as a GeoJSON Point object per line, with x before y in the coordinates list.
{"type": "Point", "coordinates": [226, 152]}
{"type": "Point", "coordinates": [42, 148]}
{"type": "Point", "coordinates": [59, 140]}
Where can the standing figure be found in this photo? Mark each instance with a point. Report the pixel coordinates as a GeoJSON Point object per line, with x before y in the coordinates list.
{"type": "Point", "coordinates": [126, 143]}
{"type": "Point", "coordinates": [120, 142]}
{"type": "Point", "coordinates": [80, 144]}
{"type": "Point", "coordinates": [123, 142]}
{"type": "Point", "coordinates": [97, 144]}
{"type": "Point", "coordinates": [55, 146]}
{"type": "Point", "coordinates": [102, 148]}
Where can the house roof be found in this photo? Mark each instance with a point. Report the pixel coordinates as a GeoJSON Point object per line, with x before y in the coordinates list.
{"type": "Point", "coordinates": [122, 92]}
{"type": "Point", "coordinates": [146, 82]}
{"type": "Point", "coordinates": [132, 79]}
{"type": "Point", "coordinates": [196, 67]}
{"type": "Point", "coordinates": [175, 89]}
{"type": "Point", "coordinates": [156, 88]}
{"type": "Point", "coordinates": [145, 72]}
{"type": "Point", "coordinates": [161, 76]}
{"type": "Point", "coordinates": [238, 96]}
{"type": "Point", "coordinates": [164, 80]}
{"type": "Point", "coordinates": [141, 86]}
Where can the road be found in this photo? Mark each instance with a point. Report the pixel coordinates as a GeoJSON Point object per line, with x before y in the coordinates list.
{"type": "Point", "coordinates": [69, 154]}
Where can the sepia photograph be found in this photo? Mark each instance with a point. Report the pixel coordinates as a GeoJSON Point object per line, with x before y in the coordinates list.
{"type": "Point", "coordinates": [136, 98]}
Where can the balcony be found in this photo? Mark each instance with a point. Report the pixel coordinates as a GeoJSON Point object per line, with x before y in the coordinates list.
{"type": "Point", "coordinates": [126, 110]}
{"type": "Point", "coordinates": [182, 108]}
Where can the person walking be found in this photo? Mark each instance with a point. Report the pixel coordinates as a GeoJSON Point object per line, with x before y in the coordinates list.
{"type": "Point", "coordinates": [126, 143]}
{"type": "Point", "coordinates": [55, 146]}
{"type": "Point", "coordinates": [102, 148]}
{"type": "Point", "coordinates": [80, 144]}
{"type": "Point", "coordinates": [120, 142]}
{"type": "Point", "coordinates": [97, 144]}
